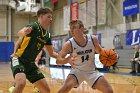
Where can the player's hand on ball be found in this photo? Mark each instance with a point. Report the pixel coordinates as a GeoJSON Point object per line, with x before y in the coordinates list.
{"type": "Point", "coordinates": [74, 55]}
{"type": "Point", "coordinates": [70, 60]}
{"type": "Point", "coordinates": [108, 57]}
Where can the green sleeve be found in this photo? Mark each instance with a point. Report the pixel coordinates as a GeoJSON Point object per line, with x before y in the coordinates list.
{"type": "Point", "coordinates": [48, 39]}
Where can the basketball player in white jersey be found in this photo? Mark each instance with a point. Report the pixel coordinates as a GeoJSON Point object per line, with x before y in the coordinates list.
{"type": "Point", "coordinates": [82, 48]}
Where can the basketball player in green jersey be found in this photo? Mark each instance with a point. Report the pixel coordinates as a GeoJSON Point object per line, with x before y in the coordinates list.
{"type": "Point", "coordinates": [35, 37]}
{"type": "Point", "coordinates": [38, 59]}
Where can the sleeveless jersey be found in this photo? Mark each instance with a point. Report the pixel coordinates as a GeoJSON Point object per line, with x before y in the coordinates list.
{"type": "Point", "coordinates": [32, 43]}
{"type": "Point", "coordinates": [85, 54]}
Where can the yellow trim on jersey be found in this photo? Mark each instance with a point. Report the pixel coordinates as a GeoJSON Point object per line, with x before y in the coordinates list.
{"type": "Point", "coordinates": [23, 46]}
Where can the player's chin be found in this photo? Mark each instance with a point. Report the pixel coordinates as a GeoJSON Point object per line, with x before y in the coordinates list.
{"type": "Point", "coordinates": [49, 23]}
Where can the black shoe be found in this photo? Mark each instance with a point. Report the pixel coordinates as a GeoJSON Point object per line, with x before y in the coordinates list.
{"type": "Point", "coordinates": [133, 72]}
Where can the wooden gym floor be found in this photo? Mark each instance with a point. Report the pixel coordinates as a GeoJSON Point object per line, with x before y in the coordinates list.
{"type": "Point", "coordinates": [121, 81]}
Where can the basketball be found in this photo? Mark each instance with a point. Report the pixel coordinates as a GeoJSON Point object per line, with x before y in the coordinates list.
{"type": "Point", "coordinates": [108, 57]}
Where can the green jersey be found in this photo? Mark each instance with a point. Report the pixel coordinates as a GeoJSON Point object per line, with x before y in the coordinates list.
{"type": "Point", "coordinates": [32, 43]}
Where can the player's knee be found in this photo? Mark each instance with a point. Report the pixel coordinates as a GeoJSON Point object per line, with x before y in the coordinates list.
{"type": "Point", "coordinates": [109, 90]}
{"type": "Point", "coordinates": [48, 90]}
{"type": "Point", "coordinates": [45, 90]}
{"type": "Point", "coordinates": [67, 87]}
{"type": "Point", "coordinates": [21, 82]}
{"type": "Point", "coordinates": [21, 85]}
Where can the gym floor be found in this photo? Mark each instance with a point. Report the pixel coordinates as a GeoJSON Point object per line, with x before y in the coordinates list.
{"type": "Point", "coordinates": [121, 80]}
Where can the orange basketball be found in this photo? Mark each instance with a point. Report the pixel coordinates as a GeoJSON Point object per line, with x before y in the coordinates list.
{"type": "Point", "coordinates": [108, 57]}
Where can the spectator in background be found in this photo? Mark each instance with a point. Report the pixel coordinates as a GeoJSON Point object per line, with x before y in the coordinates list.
{"type": "Point", "coordinates": [138, 62]}
{"type": "Point", "coordinates": [134, 62]}
{"type": "Point", "coordinates": [137, 59]}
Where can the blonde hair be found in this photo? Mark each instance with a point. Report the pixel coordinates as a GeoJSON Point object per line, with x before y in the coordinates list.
{"type": "Point", "coordinates": [74, 22]}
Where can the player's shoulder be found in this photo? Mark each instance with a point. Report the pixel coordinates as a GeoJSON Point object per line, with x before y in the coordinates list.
{"type": "Point", "coordinates": [93, 36]}
{"type": "Point", "coordinates": [67, 46]}
{"type": "Point", "coordinates": [70, 39]}
{"type": "Point", "coordinates": [34, 25]}
{"type": "Point", "coordinates": [67, 43]}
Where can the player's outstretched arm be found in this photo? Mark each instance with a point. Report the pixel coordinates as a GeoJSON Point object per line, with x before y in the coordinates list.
{"type": "Point", "coordinates": [16, 46]}
{"type": "Point", "coordinates": [98, 48]}
{"type": "Point", "coordinates": [62, 54]}
{"type": "Point", "coordinates": [50, 51]}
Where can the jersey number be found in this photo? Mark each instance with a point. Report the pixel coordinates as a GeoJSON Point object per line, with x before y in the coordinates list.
{"type": "Point", "coordinates": [85, 58]}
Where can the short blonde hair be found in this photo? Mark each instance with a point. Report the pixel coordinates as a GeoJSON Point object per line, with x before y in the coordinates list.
{"type": "Point", "coordinates": [74, 22]}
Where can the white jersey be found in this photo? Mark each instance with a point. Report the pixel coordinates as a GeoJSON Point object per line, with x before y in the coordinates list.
{"type": "Point", "coordinates": [85, 54]}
